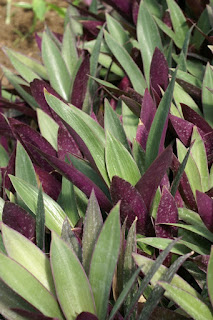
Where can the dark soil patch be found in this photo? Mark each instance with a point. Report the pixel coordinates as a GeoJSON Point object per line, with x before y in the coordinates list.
{"type": "Point", "coordinates": [16, 34]}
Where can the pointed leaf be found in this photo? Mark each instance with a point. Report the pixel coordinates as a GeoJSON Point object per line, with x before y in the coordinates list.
{"type": "Point", "coordinates": [18, 219]}
{"type": "Point", "coordinates": [148, 110]}
{"type": "Point", "coordinates": [56, 68]}
{"type": "Point", "coordinates": [113, 125]}
{"type": "Point", "coordinates": [69, 49]}
{"type": "Point", "coordinates": [148, 38]}
{"type": "Point", "coordinates": [54, 215]}
{"type": "Point", "coordinates": [167, 213]}
{"type": "Point", "coordinates": [191, 305]}
{"type": "Point", "coordinates": [157, 127]}
{"type": "Point", "coordinates": [205, 209]}
{"type": "Point", "coordinates": [132, 204]}
{"type": "Point", "coordinates": [148, 184]}
{"type": "Point", "coordinates": [119, 162]}
{"type": "Point", "coordinates": [135, 75]}
{"type": "Point", "coordinates": [93, 223]}
{"type": "Point", "coordinates": [19, 249]}
{"type": "Point", "coordinates": [207, 95]}
{"type": "Point", "coordinates": [159, 72]}
{"type": "Point", "coordinates": [40, 221]}
{"type": "Point", "coordinates": [48, 128]}
{"type": "Point", "coordinates": [68, 235]}
{"type": "Point", "coordinates": [193, 117]}
{"type": "Point", "coordinates": [104, 260]}
{"type": "Point", "coordinates": [182, 128]}
{"type": "Point", "coordinates": [70, 280]}
{"type": "Point", "coordinates": [16, 277]}
{"type": "Point", "coordinates": [89, 131]}
{"type": "Point", "coordinates": [66, 144]}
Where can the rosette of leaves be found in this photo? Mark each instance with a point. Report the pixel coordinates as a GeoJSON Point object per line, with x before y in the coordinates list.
{"type": "Point", "coordinates": [119, 146]}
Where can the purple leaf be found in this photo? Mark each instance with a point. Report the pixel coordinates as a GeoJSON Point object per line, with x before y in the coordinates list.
{"type": "Point", "coordinates": [22, 107]}
{"type": "Point", "coordinates": [167, 213]}
{"type": "Point", "coordinates": [31, 315]}
{"type": "Point", "coordinates": [135, 9]}
{"type": "Point", "coordinates": [78, 179]}
{"type": "Point", "coordinates": [210, 193]}
{"type": "Point", "coordinates": [124, 84]}
{"type": "Point", "coordinates": [193, 117]}
{"type": "Point", "coordinates": [148, 110]}
{"type": "Point", "coordinates": [5, 129]}
{"type": "Point", "coordinates": [202, 262]}
{"type": "Point", "coordinates": [86, 316]}
{"type": "Point", "coordinates": [123, 7]}
{"type": "Point", "coordinates": [132, 205]}
{"type": "Point", "coordinates": [50, 184]}
{"type": "Point", "coordinates": [142, 135]}
{"type": "Point", "coordinates": [133, 105]}
{"type": "Point", "coordinates": [184, 186]}
{"type": "Point", "coordinates": [92, 26]}
{"type": "Point", "coordinates": [208, 142]}
{"type": "Point", "coordinates": [192, 90]}
{"type": "Point", "coordinates": [37, 88]}
{"type": "Point", "coordinates": [167, 19]}
{"type": "Point", "coordinates": [165, 182]}
{"type": "Point", "coordinates": [151, 179]}
{"type": "Point", "coordinates": [159, 72]}
{"type": "Point", "coordinates": [205, 209]}
{"type": "Point", "coordinates": [38, 40]}
{"type": "Point", "coordinates": [135, 95]}
{"type": "Point", "coordinates": [178, 200]}
{"type": "Point", "coordinates": [27, 136]}
{"type": "Point", "coordinates": [182, 128]}
{"type": "Point", "coordinates": [80, 83]}
{"type": "Point", "coordinates": [66, 144]}
{"type": "Point", "coordinates": [10, 169]}
{"type": "Point", "coordinates": [18, 219]}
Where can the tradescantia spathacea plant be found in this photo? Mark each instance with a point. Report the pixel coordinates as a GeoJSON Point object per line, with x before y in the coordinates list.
{"type": "Point", "coordinates": [119, 112]}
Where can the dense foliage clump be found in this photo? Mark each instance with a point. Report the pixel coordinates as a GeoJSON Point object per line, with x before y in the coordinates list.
{"type": "Point", "coordinates": [106, 155]}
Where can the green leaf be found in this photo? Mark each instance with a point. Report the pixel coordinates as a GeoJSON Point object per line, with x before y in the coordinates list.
{"type": "Point", "coordinates": [178, 22]}
{"type": "Point", "coordinates": [167, 31]}
{"type": "Point", "coordinates": [162, 243]}
{"type": "Point", "coordinates": [1, 207]}
{"type": "Point", "coordinates": [113, 125]}
{"type": "Point", "coordinates": [72, 285]}
{"type": "Point", "coordinates": [124, 293]}
{"type": "Point", "coordinates": [23, 167]}
{"type": "Point", "coordinates": [25, 72]}
{"type": "Point", "coordinates": [19, 248]}
{"type": "Point", "coordinates": [181, 75]}
{"type": "Point", "coordinates": [104, 260]}
{"type": "Point", "coordinates": [157, 292]}
{"type": "Point", "coordinates": [128, 64]}
{"type": "Point", "coordinates": [154, 8]}
{"type": "Point", "coordinates": [40, 221]}
{"type": "Point", "coordinates": [204, 25]}
{"type": "Point", "coordinates": [207, 96]}
{"type": "Point", "coordinates": [54, 214]}
{"type": "Point", "coordinates": [139, 156]}
{"type": "Point", "coordinates": [119, 161]}
{"type": "Point", "coordinates": [68, 235]}
{"type": "Point", "coordinates": [48, 128]}
{"type": "Point", "coordinates": [57, 71]}
{"type": "Point", "coordinates": [190, 304]}
{"type": "Point", "coordinates": [10, 300]}
{"type": "Point", "coordinates": [106, 61]}
{"type": "Point", "coordinates": [191, 168]}
{"type": "Point", "coordinates": [93, 223]}
{"type": "Point", "coordinates": [67, 201]}
{"type": "Point", "coordinates": [190, 217]}
{"type": "Point", "coordinates": [148, 37]}
{"type": "Point", "coordinates": [69, 50]}
{"type": "Point", "coordinates": [32, 64]}
{"type": "Point", "coordinates": [198, 152]}
{"type": "Point", "coordinates": [117, 32]}
{"type": "Point", "coordinates": [16, 277]}
{"type": "Point", "coordinates": [177, 281]}
{"type": "Point", "coordinates": [152, 271]}
{"type": "Point", "coordinates": [4, 157]}
{"type": "Point", "coordinates": [210, 276]}
{"type": "Point", "coordinates": [89, 130]}
{"type": "Point", "coordinates": [17, 84]}
{"type": "Point", "coordinates": [156, 130]}
{"type": "Point", "coordinates": [39, 8]}
{"type": "Point", "coordinates": [130, 122]}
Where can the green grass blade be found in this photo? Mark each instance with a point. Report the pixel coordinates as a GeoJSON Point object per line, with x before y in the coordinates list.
{"type": "Point", "coordinates": [207, 96]}
{"type": "Point", "coordinates": [40, 221]}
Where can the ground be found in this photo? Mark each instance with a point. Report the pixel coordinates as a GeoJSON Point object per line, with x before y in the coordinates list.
{"type": "Point", "coordinates": [15, 35]}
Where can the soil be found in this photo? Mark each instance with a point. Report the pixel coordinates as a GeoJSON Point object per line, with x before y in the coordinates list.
{"type": "Point", "coordinates": [16, 34]}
